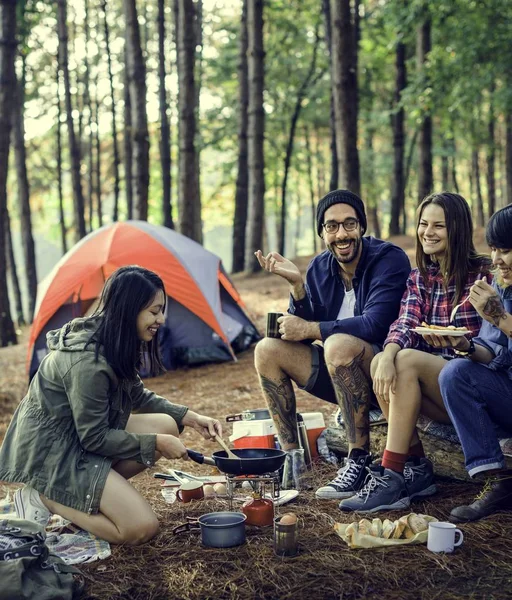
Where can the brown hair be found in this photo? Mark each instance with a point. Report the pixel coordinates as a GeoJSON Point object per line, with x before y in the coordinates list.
{"type": "Point", "coordinates": [461, 257]}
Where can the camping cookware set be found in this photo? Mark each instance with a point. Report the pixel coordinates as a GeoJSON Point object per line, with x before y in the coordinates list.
{"type": "Point", "coordinates": [218, 529]}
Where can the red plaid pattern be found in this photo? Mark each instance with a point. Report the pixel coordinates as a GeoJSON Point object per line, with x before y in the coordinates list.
{"type": "Point", "coordinates": [433, 304]}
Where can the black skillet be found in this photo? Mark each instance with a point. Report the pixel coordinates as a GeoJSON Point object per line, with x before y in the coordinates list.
{"type": "Point", "coordinates": [251, 461]}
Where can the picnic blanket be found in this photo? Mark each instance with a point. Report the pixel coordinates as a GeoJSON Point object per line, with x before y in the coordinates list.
{"type": "Point", "coordinates": [72, 544]}
{"type": "Point", "coordinates": [440, 430]}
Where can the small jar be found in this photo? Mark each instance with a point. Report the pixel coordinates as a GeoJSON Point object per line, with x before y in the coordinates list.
{"type": "Point", "coordinates": [259, 511]}
{"type": "Point", "coordinates": [285, 538]}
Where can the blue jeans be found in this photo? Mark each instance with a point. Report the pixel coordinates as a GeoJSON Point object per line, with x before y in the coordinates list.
{"type": "Point", "coordinates": [477, 400]}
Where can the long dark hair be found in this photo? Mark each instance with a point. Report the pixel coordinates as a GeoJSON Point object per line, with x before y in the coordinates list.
{"type": "Point", "coordinates": [461, 257]}
{"type": "Point", "coordinates": [499, 229]}
{"type": "Point", "coordinates": [126, 292]}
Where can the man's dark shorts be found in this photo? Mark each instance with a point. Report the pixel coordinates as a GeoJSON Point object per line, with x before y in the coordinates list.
{"type": "Point", "coordinates": [319, 383]}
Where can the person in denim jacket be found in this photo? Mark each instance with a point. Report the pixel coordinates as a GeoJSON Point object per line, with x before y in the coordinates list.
{"type": "Point", "coordinates": [74, 442]}
{"type": "Point", "coordinates": [477, 391]}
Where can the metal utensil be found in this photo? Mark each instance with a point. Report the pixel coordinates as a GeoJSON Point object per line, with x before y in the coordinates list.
{"type": "Point", "coordinates": [456, 308]}
{"type": "Point", "coordinates": [225, 446]}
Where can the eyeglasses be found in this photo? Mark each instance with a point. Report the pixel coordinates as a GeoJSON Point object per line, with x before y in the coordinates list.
{"type": "Point", "coordinates": [333, 226]}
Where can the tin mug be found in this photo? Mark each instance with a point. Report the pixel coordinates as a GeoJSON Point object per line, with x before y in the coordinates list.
{"type": "Point", "coordinates": [272, 330]}
{"type": "Point", "coordinates": [190, 490]}
{"type": "Point", "coordinates": [285, 538]}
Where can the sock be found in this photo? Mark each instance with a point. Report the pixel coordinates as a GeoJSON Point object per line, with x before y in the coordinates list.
{"type": "Point", "coordinates": [416, 450]}
{"type": "Point", "coordinates": [394, 461]}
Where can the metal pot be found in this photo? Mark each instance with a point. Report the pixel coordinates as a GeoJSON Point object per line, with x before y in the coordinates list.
{"type": "Point", "coordinates": [218, 529]}
{"type": "Point", "coordinates": [251, 461]}
{"type": "Point", "coordinates": [257, 414]}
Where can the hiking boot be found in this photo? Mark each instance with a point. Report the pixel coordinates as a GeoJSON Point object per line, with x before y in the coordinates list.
{"type": "Point", "coordinates": [350, 478]}
{"type": "Point", "coordinates": [495, 497]}
{"type": "Point", "coordinates": [29, 506]}
{"type": "Point", "coordinates": [419, 478]}
{"type": "Point", "coordinates": [384, 489]}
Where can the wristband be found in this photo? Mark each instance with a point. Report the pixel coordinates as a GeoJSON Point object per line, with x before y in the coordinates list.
{"type": "Point", "coordinates": [467, 352]}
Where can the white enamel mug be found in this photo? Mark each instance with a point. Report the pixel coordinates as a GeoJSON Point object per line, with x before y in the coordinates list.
{"type": "Point", "coordinates": [441, 537]}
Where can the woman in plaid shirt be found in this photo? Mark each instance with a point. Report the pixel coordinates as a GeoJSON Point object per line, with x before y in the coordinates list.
{"type": "Point", "coordinates": [405, 375]}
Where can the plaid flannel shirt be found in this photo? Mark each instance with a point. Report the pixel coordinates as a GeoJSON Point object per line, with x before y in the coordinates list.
{"type": "Point", "coordinates": [433, 304]}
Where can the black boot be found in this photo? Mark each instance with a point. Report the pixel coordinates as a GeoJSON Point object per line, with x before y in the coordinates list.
{"type": "Point", "coordinates": [495, 497]}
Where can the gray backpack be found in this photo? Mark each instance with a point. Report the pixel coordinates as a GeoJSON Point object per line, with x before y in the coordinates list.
{"type": "Point", "coordinates": [29, 570]}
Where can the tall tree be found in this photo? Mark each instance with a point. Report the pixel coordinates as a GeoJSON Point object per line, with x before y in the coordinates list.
{"type": "Point", "coordinates": [425, 173]}
{"type": "Point", "coordinates": [333, 183]}
{"type": "Point", "coordinates": [508, 154]}
{"type": "Point", "coordinates": [345, 92]}
{"type": "Point", "coordinates": [255, 133]}
{"type": "Point", "coordinates": [165, 128]}
{"type": "Point", "coordinates": [87, 104]}
{"type": "Point", "coordinates": [7, 88]}
{"type": "Point", "coordinates": [139, 118]}
{"type": "Point", "coordinates": [397, 121]}
{"type": "Point", "coordinates": [74, 148]}
{"type": "Point", "coordinates": [13, 272]}
{"type": "Point", "coordinates": [127, 137]}
{"type": "Point", "coordinates": [62, 221]}
{"type": "Point", "coordinates": [491, 157]}
{"type": "Point", "coordinates": [115, 143]}
{"type": "Point", "coordinates": [20, 158]}
{"type": "Point", "coordinates": [241, 194]}
{"type": "Point", "coordinates": [189, 213]}
{"type": "Point", "coordinates": [476, 193]}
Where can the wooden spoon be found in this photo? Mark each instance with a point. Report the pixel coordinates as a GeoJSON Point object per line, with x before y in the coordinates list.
{"type": "Point", "coordinates": [225, 446]}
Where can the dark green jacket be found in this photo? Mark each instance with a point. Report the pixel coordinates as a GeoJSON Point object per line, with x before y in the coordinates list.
{"type": "Point", "coordinates": [69, 428]}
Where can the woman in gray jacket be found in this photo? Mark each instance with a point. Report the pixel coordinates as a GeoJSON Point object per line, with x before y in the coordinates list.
{"type": "Point", "coordinates": [74, 442]}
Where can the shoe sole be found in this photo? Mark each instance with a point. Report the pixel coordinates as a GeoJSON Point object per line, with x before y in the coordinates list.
{"type": "Point", "coordinates": [400, 505]}
{"type": "Point", "coordinates": [335, 495]}
{"type": "Point", "coordinates": [430, 491]}
{"type": "Point", "coordinates": [18, 505]}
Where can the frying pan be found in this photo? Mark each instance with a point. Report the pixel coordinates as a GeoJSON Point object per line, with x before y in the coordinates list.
{"type": "Point", "coordinates": [251, 461]}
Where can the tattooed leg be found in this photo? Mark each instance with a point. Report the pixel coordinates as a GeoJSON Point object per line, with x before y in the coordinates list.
{"type": "Point", "coordinates": [353, 395]}
{"type": "Point", "coordinates": [282, 406]}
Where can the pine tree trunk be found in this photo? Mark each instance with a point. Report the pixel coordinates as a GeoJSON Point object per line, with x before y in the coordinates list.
{"type": "Point", "coordinates": [309, 162]}
{"type": "Point", "coordinates": [97, 170]}
{"type": "Point", "coordinates": [13, 272]}
{"type": "Point", "coordinates": [425, 174]}
{"type": "Point", "coordinates": [508, 156]}
{"type": "Point", "coordinates": [127, 139]}
{"type": "Point", "coordinates": [477, 190]}
{"type": "Point", "coordinates": [398, 183]}
{"type": "Point", "coordinates": [87, 106]}
{"type": "Point", "coordinates": [241, 195]}
{"type": "Point", "coordinates": [333, 183]}
{"type": "Point", "coordinates": [188, 176]}
{"type": "Point", "coordinates": [7, 88]}
{"type": "Point", "coordinates": [344, 86]}
{"type": "Point", "coordinates": [74, 149]}
{"type": "Point", "coordinates": [165, 129]}
{"type": "Point", "coordinates": [491, 160]}
{"type": "Point", "coordinates": [255, 134]}
{"type": "Point", "coordinates": [198, 8]}
{"type": "Point", "coordinates": [444, 172]}
{"type": "Point", "coordinates": [62, 222]}
{"type": "Point", "coordinates": [453, 171]}
{"type": "Point", "coordinates": [115, 143]}
{"type": "Point", "coordinates": [18, 141]}
{"type": "Point", "coordinates": [139, 119]}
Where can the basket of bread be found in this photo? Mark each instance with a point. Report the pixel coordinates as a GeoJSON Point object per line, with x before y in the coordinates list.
{"type": "Point", "coordinates": [409, 529]}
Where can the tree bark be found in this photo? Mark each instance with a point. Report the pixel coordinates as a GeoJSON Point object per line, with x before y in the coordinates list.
{"type": "Point", "coordinates": [187, 167]}
{"type": "Point", "coordinates": [87, 104]}
{"type": "Point", "coordinates": [333, 183]}
{"type": "Point", "coordinates": [309, 162]}
{"type": "Point", "coordinates": [491, 160]}
{"type": "Point", "coordinates": [198, 9]}
{"type": "Point", "coordinates": [344, 86]}
{"type": "Point", "coordinates": [508, 155]}
{"type": "Point", "coordinates": [115, 145]}
{"type": "Point", "coordinates": [74, 149]}
{"type": "Point", "coordinates": [18, 141]}
{"type": "Point", "coordinates": [477, 189]}
{"type": "Point", "coordinates": [127, 139]}
{"type": "Point", "coordinates": [425, 173]}
{"type": "Point", "coordinates": [13, 272]}
{"type": "Point", "coordinates": [291, 138]}
{"type": "Point", "coordinates": [139, 119]}
{"type": "Point", "coordinates": [241, 195]}
{"type": "Point", "coordinates": [97, 170]}
{"type": "Point", "coordinates": [453, 171]}
{"type": "Point", "coordinates": [165, 129]}
{"type": "Point", "coordinates": [255, 133]}
{"type": "Point", "coordinates": [62, 221]}
{"type": "Point", "coordinates": [398, 183]}
{"type": "Point", "coordinates": [7, 88]}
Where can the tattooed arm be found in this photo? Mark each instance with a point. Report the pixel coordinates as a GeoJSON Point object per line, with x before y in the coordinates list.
{"type": "Point", "coordinates": [488, 303]}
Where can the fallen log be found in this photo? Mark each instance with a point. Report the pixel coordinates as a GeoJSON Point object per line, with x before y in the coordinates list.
{"type": "Point", "coordinates": [446, 455]}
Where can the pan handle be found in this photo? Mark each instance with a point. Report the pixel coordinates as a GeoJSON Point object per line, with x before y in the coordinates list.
{"type": "Point", "coordinates": [166, 477]}
{"type": "Point", "coordinates": [191, 526]}
{"type": "Point", "coordinates": [200, 458]}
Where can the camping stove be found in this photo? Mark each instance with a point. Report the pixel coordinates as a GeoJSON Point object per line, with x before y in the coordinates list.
{"type": "Point", "coordinates": [267, 485]}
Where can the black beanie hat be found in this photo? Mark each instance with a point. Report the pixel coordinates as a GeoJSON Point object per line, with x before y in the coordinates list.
{"type": "Point", "coordinates": [340, 197]}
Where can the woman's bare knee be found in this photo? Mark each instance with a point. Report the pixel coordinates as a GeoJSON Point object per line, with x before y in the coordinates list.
{"type": "Point", "coordinates": [408, 361]}
{"type": "Point", "coordinates": [140, 533]}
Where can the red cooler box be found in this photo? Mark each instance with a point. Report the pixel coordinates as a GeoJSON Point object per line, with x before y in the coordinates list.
{"type": "Point", "coordinates": [253, 434]}
{"type": "Point", "coordinates": [315, 424]}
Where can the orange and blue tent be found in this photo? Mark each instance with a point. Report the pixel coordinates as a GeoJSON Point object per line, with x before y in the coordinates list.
{"type": "Point", "coordinates": [206, 319]}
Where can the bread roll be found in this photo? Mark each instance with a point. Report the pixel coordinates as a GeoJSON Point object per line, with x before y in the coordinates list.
{"type": "Point", "coordinates": [388, 527]}
{"type": "Point", "coordinates": [351, 530]}
{"type": "Point", "coordinates": [365, 526]}
{"type": "Point", "coordinates": [399, 528]}
{"type": "Point", "coordinates": [417, 523]}
{"type": "Point", "coordinates": [376, 528]}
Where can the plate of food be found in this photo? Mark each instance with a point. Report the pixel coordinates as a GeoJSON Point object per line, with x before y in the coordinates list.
{"type": "Point", "coordinates": [427, 329]}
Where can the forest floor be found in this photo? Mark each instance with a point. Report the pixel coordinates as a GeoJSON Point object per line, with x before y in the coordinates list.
{"type": "Point", "coordinates": [179, 567]}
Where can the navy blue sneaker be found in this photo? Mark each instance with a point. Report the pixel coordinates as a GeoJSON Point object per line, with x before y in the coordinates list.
{"type": "Point", "coordinates": [350, 478]}
{"type": "Point", "coordinates": [419, 478]}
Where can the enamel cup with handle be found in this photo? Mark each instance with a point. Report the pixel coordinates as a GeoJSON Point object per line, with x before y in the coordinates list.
{"type": "Point", "coordinates": [190, 490]}
{"type": "Point", "coordinates": [441, 537]}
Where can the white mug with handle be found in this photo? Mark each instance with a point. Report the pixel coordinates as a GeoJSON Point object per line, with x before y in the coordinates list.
{"type": "Point", "coordinates": [441, 537]}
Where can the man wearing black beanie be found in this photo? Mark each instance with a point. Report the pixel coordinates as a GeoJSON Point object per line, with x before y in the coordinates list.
{"type": "Point", "coordinates": [337, 321]}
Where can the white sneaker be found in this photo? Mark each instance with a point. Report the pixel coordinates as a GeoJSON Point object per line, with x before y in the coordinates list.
{"type": "Point", "coordinates": [29, 506]}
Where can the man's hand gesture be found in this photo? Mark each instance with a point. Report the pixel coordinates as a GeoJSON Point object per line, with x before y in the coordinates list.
{"type": "Point", "coordinates": [275, 263]}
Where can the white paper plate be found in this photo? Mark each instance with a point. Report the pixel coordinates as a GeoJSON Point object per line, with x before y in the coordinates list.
{"type": "Point", "coordinates": [452, 332]}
